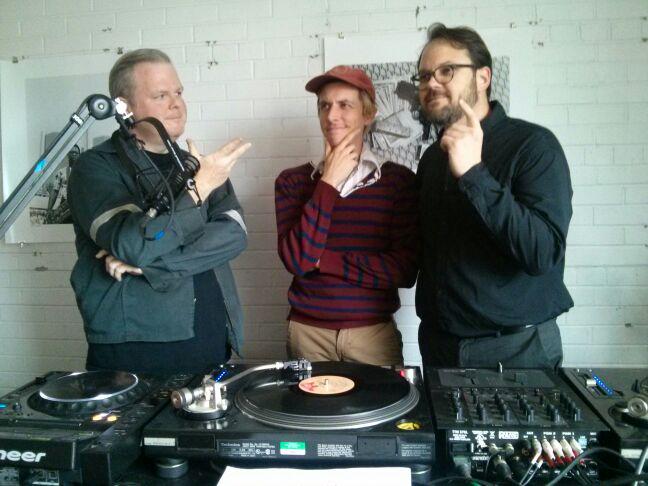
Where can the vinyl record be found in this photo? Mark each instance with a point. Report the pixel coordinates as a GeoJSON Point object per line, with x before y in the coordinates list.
{"type": "Point", "coordinates": [376, 396]}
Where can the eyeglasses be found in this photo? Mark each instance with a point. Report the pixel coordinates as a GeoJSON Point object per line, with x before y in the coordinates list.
{"type": "Point", "coordinates": [442, 74]}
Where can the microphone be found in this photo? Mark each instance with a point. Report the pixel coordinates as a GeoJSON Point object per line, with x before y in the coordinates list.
{"type": "Point", "coordinates": [180, 178]}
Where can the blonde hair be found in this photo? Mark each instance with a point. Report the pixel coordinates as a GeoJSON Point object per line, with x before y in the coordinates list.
{"type": "Point", "coordinates": [369, 107]}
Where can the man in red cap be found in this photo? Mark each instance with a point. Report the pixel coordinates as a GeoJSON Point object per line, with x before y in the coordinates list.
{"type": "Point", "coordinates": [347, 231]}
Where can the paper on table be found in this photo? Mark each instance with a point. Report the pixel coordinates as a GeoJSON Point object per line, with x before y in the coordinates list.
{"type": "Point", "coordinates": [376, 476]}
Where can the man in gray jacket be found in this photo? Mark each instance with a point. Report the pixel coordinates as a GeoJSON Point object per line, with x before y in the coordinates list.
{"type": "Point", "coordinates": [156, 294]}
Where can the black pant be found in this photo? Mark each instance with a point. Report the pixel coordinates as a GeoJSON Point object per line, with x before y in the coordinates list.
{"type": "Point", "coordinates": [534, 347]}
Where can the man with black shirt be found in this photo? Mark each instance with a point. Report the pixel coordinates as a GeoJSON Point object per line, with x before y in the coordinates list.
{"type": "Point", "coordinates": [495, 199]}
{"type": "Point", "coordinates": [156, 294]}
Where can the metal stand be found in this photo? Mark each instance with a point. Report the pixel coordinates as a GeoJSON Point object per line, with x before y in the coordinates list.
{"type": "Point", "coordinates": [94, 107]}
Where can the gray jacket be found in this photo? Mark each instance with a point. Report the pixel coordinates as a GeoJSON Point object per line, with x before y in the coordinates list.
{"type": "Point", "coordinates": [158, 306]}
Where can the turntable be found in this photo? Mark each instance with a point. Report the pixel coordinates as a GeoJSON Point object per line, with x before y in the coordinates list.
{"type": "Point", "coordinates": [620, 397]}
{"type": "Point", "coordinates": [77, 427]}
{"type": "Point", "coordinates": [332, 415]}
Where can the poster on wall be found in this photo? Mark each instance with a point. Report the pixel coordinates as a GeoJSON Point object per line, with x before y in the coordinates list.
{"type": "Point", "coordinates": [400, 132]}
{"type": "Point", "coordinates": [37, 99]}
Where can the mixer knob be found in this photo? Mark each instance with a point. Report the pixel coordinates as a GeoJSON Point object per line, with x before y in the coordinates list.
{"type": "Point", "coordinates": [555, 416]}
{"type": "Point", "coordinates": [576, 414]}
{"type": "Point", "coordinates": [507, 415]}
{"type": "Point", "coordinates": [459, 415]}
{"type": "Point", "coordinates": [530, 414]}
{"type": "Point", "coordinates": [481, 411]}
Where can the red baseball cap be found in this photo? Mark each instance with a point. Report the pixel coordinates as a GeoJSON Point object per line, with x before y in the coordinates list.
{"type": "Point", "coordinates": [353, 76]}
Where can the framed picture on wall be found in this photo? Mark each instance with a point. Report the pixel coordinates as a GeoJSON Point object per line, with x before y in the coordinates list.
{"type": "Point", "coordinates": [400, 132]}
{"type": "Point", "coordinates": [37, 99]}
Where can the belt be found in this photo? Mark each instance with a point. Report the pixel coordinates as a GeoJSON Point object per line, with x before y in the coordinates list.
{"type": "Point", "coordinates": [505, 331]}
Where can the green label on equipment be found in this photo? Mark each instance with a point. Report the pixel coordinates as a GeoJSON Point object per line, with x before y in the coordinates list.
{"type": "Point", "coordinates": [292, 448]}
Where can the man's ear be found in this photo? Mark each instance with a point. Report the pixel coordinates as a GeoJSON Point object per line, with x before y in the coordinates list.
{"type": "Point", "coordinates": [483, 76]}
{"type": "Point", "coordinates": [123, 100]}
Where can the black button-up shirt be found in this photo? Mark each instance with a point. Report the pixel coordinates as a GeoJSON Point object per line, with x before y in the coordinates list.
{"type": "Point", "coordinates": [494, 239]}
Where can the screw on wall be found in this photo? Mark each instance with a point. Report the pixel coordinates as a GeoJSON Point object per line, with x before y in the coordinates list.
{"type": "Point", "coordinates": [212, 61]}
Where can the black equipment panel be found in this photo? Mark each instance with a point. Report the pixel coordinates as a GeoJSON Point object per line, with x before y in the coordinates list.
{"type": "Point", "coordinates": [488, 416]}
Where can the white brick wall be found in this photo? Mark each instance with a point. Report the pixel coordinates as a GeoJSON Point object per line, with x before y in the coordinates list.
{"type": "Point", "coordinates": [590, 79]}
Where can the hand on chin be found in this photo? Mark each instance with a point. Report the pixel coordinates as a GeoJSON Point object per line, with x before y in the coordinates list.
{"type": "Point", "coordinates": [336, 136]}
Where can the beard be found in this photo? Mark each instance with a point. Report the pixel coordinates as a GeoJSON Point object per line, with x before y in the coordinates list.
{"type": "Point", "coordinates": [453, 112]}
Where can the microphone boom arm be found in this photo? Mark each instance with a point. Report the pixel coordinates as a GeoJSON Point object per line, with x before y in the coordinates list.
{"type": "Point", "coordinates": [94, 107]}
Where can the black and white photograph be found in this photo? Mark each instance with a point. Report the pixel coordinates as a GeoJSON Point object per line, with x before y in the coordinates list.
{"type": "Point", "coordinates": [42, 95]}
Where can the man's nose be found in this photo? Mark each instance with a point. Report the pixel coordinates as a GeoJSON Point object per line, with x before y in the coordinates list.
{"type": "Point", "coordinates": [333, 113]}
{"type": "Point", "coordinates": [176, 101]}
{"type": "Point", "coordinates": [433, 83]}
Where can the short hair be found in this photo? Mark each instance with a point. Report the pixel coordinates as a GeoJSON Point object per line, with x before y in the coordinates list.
{"type": "Point", "coordinates": [461, 38]}
{"type": "Point", "coordinates": [120, 80]}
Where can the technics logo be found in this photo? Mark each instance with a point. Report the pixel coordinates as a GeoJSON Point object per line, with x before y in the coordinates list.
{"type": "Point", "coordinates": [27, 456]}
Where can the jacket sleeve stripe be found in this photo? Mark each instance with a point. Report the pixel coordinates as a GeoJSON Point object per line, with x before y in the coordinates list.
{"type": "Point", "coordinates": [106, 216]}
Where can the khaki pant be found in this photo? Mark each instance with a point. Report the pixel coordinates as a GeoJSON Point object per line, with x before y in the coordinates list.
{"type": "Point", "coordinates": [378, 344]}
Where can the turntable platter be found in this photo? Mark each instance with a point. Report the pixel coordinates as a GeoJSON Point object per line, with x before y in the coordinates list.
{"type": "Point", "coordinates": [363, 396]}
{"type": "Point", "coordinates": [88, 386]}
{"type": "Point", "coordinates": [79, 394]}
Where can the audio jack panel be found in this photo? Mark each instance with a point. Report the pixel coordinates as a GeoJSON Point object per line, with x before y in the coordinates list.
{"type": "Point", "coordinates": [510, 424]}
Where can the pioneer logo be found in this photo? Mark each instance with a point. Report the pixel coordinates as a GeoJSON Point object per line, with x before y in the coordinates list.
{"type": "Point", "coordinates": [27, 456]}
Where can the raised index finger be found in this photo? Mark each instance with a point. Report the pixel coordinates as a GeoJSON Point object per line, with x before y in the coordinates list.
{"type": "Point", "coordinates": [240, 150]}
{"type": "Point", "coordinates": [471, 117]}
{"type": "Point", "coordinates": [231, 146]}
{"type": "Point", "coordinates": [327, 148]}
{"type": "Point", "coordinates": [349, 136]}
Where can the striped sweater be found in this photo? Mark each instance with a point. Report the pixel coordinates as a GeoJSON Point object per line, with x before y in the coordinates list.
{"type": "Point", "coordinates": [366, 245]}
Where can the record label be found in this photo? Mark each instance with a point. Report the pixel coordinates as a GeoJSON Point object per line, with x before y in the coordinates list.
{"type": "Point", "coordinates": [326, 385]}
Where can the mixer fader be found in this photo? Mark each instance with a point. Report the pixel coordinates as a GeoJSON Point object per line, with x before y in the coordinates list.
{"type": "Point", "coordinates": [502, 420]}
